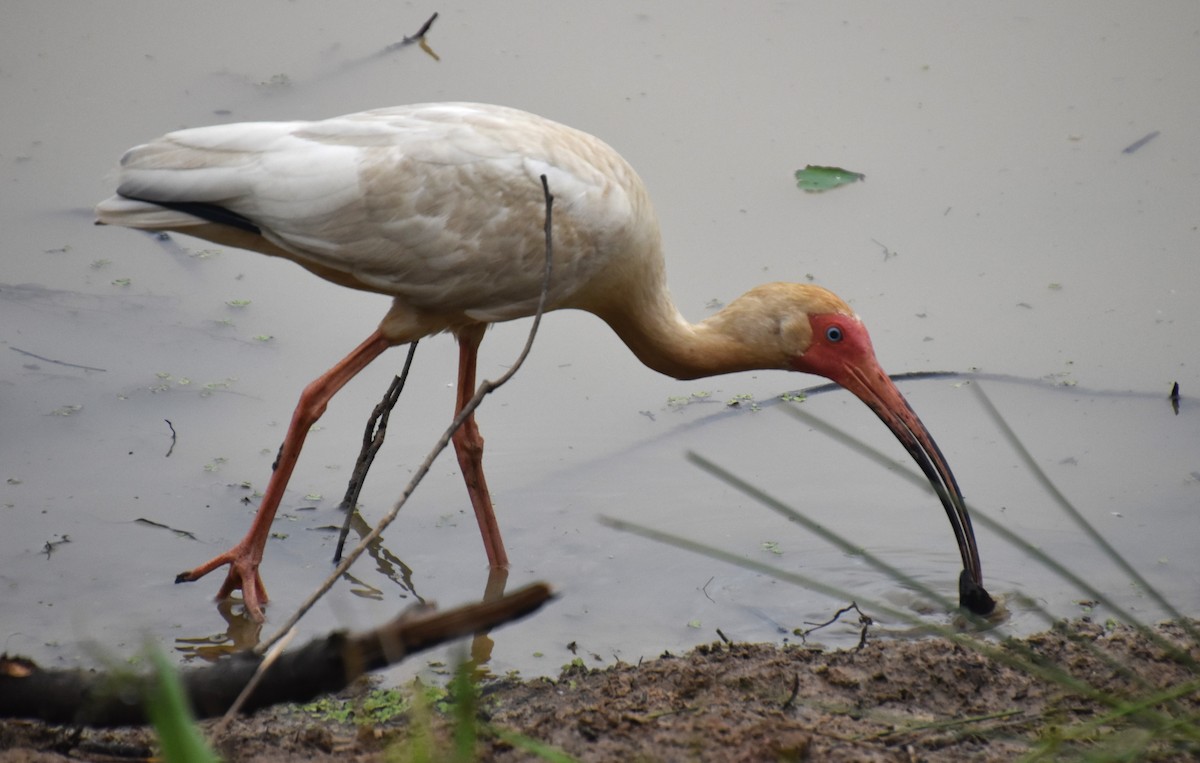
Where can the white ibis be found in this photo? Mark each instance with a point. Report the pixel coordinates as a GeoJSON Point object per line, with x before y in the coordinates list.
{"type": "Point", "coordinates": [440, 207]}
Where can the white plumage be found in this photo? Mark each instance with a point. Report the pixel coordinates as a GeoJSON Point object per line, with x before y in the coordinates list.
{"type": "Point", "coordinates": [441, 207]}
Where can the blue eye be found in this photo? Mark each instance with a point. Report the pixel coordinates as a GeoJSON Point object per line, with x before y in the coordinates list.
{"type": "Point", "coordinates": [833, 334]}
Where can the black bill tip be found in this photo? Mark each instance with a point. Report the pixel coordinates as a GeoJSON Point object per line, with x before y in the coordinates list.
{"type": "Point", "coordinates": [973, 596]}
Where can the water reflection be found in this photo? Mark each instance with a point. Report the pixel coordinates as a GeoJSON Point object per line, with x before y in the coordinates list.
{"type": "Point", "coordinates": [241, 634]}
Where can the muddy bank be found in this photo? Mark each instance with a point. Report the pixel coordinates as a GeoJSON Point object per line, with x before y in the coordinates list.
{"type": "Point", "coordinates": [891, 700]}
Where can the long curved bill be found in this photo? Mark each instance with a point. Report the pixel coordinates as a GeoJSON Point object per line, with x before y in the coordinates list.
{"type": "Point", "coordinates": [873, 387]}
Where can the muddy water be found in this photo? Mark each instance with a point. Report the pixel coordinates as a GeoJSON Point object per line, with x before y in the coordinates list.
{"type": "Point", "coordinates": [1001, 227]}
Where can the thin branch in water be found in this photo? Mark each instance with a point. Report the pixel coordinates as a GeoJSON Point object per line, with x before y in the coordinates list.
{"type": "Point", "coordinates": [418, 38]}
{"type": "Point", "coordinates": [56, 362]}
{"type": "Point", "coordinates": [52, 545]}
{"type": "Point", "coordinates": [420, 35]}
{"type": "Point", "coordinates": [171, 449]}
{"type": "Point", "coordinates": [372, 441]}
{"type": "Point", "coordinates": [1134, 146]}
{"type": "Point", "coordinates": [485, 388]}
{"type": "Point", "coordinates": [863, 619]}
{"type": "Point", "coordinates": [179, 533]}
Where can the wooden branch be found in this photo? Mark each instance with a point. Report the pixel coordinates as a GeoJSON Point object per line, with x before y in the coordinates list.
{"type": "Point", "coordinates": [322, 666]}
{"type": "Point", "coordinates": [373, 438]}
{"type": "Point", "coordinates": [419, 38]}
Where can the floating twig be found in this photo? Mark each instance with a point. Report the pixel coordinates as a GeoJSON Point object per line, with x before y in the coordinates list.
{"type": "Point", "coordinates": [418, 38]}
{"type": "Point", "coordinates": [863, 618]}
{"type": "Point", "coordinates": [51, 545]}
{"type": "Point", "coordinates": [887, 253]}
{"type": "Point", "coordinates": [424, 28]}
{"type": "Point", "coordinates": [56, 362]}
{"type": "Point", "coordinates": [1134, 146]}
{"type": "Point", "coordinates": [161, 526]}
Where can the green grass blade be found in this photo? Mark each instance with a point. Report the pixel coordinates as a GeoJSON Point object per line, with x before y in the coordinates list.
{"type": "Point", "coordinates": [1017, 658]}
{"type": "Point", "coordinates": [1068, 507]}
{"type": "Point", "coordinates": [466, 703]}
{"type": "Point", "coordinates": [168, 709]}
{"type": "Point", "coordinates": [981, 518]}
{"type": "Point", "coordinates": [829, 536]}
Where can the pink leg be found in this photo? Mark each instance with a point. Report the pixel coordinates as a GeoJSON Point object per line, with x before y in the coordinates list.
{"type": "Point", "coordinates": [243, 559]}
{"type": "Point", "coordinates": [468, 445]}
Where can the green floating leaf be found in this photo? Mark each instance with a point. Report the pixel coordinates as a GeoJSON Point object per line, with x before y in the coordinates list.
{"type": "Point", "coordinates": [816, 179]}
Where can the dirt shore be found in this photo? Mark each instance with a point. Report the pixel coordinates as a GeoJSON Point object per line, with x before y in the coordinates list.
{"type": "Point", "coordinates": [926, 700]}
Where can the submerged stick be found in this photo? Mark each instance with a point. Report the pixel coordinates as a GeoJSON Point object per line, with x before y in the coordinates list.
{"type": "Point", "coordinates": [373, 437]}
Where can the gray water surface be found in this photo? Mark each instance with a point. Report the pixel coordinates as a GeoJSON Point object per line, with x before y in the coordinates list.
{"type": "Point", "coordinates": [1001, 227]}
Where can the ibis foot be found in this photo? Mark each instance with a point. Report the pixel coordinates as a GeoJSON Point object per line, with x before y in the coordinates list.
{"type": "Point", "coordinates": [243, 575]}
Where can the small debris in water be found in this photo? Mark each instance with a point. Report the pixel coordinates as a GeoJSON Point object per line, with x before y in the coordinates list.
{"type": "Point", "coordinates": [1140, 142]}
{"type": "Point", "coordinates": [161, 526]}
{"type": "Point", "coordinates": [51, 545]}
{"type": "Point", "coordinates": [864, 620]}
{"type": "Point", "coordinates": [887, 253]}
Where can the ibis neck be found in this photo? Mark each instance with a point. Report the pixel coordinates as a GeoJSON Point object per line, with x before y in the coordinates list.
{"type": "Point", "coordinates": [665, 341]}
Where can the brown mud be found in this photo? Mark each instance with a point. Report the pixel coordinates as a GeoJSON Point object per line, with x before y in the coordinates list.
{"type": "Point", "coordinates": [891, 700]}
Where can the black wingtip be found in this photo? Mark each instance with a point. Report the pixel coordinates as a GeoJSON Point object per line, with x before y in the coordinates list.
{"type": "Point", "coordinates": [972, 595]}
{"type": "Point", "coordinates": [213, 213]}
